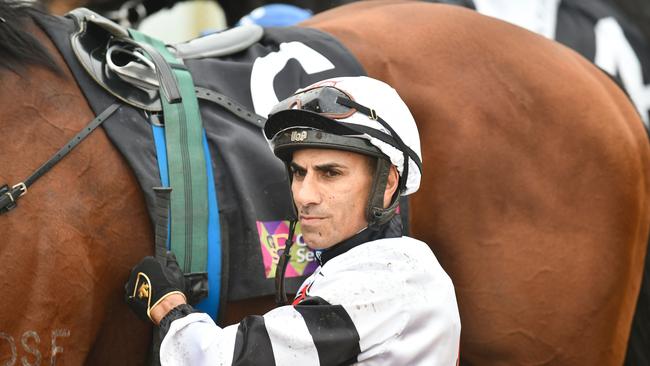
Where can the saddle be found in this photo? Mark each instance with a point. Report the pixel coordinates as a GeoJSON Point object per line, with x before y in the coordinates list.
{"type": "Point", "coordinates": [117, 63]}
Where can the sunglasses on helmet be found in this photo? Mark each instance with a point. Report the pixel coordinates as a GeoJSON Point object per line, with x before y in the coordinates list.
{"type": "Point", "coordinates": [334, 104]}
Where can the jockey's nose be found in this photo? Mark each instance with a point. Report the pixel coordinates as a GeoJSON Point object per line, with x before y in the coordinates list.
{"type": "Point", "coordinates": [305, 191]}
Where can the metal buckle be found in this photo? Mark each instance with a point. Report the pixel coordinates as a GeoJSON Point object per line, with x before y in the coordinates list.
{"type": "Point", "coordinates": [373, 114]}
{"type": "Point", "coordinates": [22, 187]}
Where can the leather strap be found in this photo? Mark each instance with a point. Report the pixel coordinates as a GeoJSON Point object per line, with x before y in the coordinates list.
{"type": "Point", "coordinates": [161, 219]}
{"type": "Point", "coordinates": [9, 197]}
{"type": "Point", "coordinates": [399, 144]}
{"type": "Point", "coordinates": [168, 84]}
{"type": "Point", "coordinates": [230, 105]}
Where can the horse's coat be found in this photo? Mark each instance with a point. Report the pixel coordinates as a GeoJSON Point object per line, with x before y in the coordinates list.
{"type": "Point", "coordinates": [535, 195]}
{"type": "Point", "coordinates": [531, 207]}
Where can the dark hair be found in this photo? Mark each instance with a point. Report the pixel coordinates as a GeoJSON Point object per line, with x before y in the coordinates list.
{"type": "Point", "coordinates": [19, 48]}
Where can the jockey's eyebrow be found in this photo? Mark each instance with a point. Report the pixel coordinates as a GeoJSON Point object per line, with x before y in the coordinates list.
{"type": "Point", "coordinates": [325, 167]}
{"type": "Point", "coordinates": [329, 167]}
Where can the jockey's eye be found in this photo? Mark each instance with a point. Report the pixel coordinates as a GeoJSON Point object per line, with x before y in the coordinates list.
{"type": "Point", "coordinates": [331, 173]}
{"type": "Point", "coordinates": [297, 171]}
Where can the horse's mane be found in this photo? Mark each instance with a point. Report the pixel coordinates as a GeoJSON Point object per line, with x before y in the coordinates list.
{"type": "Point", "coordinates": [18, 47]}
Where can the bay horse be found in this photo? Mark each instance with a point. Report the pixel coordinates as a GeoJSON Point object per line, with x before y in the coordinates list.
{"type": "Point", "coordinates": [535, 194]}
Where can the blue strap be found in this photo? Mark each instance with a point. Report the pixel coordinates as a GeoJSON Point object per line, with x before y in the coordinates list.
{"type": "Point", "coordinates": [209, 305]}
{"type": "Point", "coordinates": [161, 152]}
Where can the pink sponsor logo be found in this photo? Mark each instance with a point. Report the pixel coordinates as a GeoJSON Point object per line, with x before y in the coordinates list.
{"type": "Point", "coordinates": [273, 235]}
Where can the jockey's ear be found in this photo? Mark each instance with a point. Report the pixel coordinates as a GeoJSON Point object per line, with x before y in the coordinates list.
{"type": "Point", "coordinates": [391, 185]}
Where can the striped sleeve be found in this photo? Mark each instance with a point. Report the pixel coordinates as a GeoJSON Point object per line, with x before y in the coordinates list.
{"type": "Point", "coordinates": [252, 343]}
{"type": "Point", "coordinates": [310, 333]}
{"type": "Point", "coordinates": [335, 337]}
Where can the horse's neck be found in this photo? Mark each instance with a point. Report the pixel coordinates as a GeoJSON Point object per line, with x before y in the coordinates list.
{"type": "Point", "coordinates": [79, 228]}
{"type": "Point", "coordinates": [40, 104]}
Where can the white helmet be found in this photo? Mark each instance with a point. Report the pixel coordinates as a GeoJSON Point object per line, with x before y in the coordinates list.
{"type": "Point", "coordinates": [358, 114]}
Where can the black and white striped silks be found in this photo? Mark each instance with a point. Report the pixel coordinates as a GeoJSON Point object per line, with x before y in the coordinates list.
{"type": "Point", "coordinates": [384, 302]}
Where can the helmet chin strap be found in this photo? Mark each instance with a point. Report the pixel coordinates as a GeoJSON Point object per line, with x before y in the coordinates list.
{"type": "Point", "coordinates": [376, 214]}
{"type": "Point", "coordinates": [285, 257]}
{"type": "Point", "coordinates": [281, 268]}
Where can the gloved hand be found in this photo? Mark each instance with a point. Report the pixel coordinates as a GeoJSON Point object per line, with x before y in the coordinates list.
{"type": "Point", "coordinates": [151, 282]}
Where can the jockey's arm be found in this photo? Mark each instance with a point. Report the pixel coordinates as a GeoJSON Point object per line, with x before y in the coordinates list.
{"type": "Point", "coordinates": [389, 303]}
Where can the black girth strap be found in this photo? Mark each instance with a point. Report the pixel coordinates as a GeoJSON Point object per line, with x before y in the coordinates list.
{"type": "Point", "coordinates": [161, 220]}
{"type": "Point", "coordinates": [9, 196]}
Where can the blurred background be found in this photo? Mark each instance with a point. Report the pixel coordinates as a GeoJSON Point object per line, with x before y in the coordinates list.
{"type": "Point", "coordinates": [614, 34]}
{"type": "Point", "coordinates": [192, 17]}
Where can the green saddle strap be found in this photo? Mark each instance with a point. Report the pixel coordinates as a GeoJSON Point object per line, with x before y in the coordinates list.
{"type": "Point", "coordinates": [186, 165]}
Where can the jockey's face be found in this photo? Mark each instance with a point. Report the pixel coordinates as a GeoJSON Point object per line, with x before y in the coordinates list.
{"type": "Point", "coordinates": [330, 189]}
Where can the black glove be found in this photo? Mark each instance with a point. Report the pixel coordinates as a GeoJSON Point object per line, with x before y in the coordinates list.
{"type": "Point", "coordinates": [150, 282]}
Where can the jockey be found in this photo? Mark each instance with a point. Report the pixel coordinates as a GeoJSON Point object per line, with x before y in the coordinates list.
{"type": "Point", "coordinates": [378, 298]}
